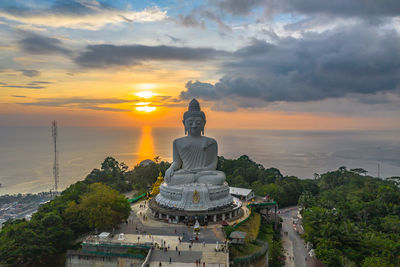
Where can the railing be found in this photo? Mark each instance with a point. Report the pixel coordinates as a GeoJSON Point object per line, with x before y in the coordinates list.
{"type": "Point", "coordinates": [146, 261]}
{"type": "Point", "coordinates": [273, 203]}
{"type": "Point", "coordinates": [117, 245]}
{"type": "Point", "coordinates": [133, 200]}
{"type": "Point", "coordinates": [126, 255]}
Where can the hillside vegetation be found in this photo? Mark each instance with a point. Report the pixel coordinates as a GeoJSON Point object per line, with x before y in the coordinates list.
{"type": "Point", "coordinates": [244, 172]}
{"type": "Point", "coordinates": [350, 219]}
{"type": "Point", "coordinates": [354, 220]}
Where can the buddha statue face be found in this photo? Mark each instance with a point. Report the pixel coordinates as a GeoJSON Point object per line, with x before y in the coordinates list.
{"type": "Point", "coordinates": [194, 125]}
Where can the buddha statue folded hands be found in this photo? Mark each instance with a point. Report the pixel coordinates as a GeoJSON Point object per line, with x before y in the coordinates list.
{"type": "Point", "coordinates": [194, 156]}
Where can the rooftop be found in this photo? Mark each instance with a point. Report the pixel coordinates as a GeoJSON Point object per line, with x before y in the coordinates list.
{"type": "Point", "coordinates": [239, 191]}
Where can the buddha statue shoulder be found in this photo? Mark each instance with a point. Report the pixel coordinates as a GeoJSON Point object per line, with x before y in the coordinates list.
{"type": "Point", "coordinates": [194, 155]}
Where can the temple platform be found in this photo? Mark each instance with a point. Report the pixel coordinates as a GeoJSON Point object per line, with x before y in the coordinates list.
{"type": "Point", "coordinates": [194, 197]}
{"type": "Point", "coordinates": [174, 215]}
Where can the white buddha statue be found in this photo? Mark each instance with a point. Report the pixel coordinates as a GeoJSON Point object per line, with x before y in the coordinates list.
{"type": "Point", "coordinates": [194, 156]}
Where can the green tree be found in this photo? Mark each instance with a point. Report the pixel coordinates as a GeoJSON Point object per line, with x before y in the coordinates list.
{"type": "Point", "coordinates": [102, 207]}
{"type": "Point", "coordinates": [34, 243]}
{"type": "Point", "coordinates": [376, 261]}
{"type": "Point", "coordinates": [276, 253]}
{"type": "Point", "coordinates": [359, 171]}
{"type": "Point", "coordinates": [306, 200]}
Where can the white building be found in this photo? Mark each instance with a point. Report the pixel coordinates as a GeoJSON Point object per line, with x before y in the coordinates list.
{"type": "Point", "coordinates": [241, 193]}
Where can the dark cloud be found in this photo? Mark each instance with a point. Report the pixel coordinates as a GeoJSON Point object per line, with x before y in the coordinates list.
{"type": "Point", "coordinates": [55, 102]}
{"type": "Point", "coordinates": [30, 73]}
{"type": "Point", "coordinates": [337, 8]}
{"type": "Point", "coordinates": [78, 14]}
{"type": "Point", "coordinates": [42, 82]}
{"type": "Point", "coordinates": [19, 96]}
{"type": "Point", "coordinates": [102, 56]}
{"type": "Point", "coordinates": [31, 85]}
{"type": "Point", "coordinates": [103, 104]}
{"type": "Point", "coordinates": [198, 89]}
{"type": "Point", "coordinates": [35, 83]}
{"type": "Point", "coordinates": [345, 8]}
{"type": "Point", "coordinates": [238, 7]}
{"type": "Point", "coordinates": [104, 108]}
{"type": "Point", "coordinates": [199, 15]}
{"type": "Point", "coordinates": [83, 103]}
{"type": "Point", "coordinates": [190, 21]}
{"type": "Point", "coordinates": [58, 7]}
{"type": "Point", "coordinates": [41, 45]}
{"type": "Point", "coordinates": [332, 64]}
{"type": "Point", "coordinates": [126, 19]}
{"type": "Point", "coordinates": [24, 86]}
{"type": "Point", "coordinates": [217, 19]}
{"type": "Point", "coordinates": [175, 39]}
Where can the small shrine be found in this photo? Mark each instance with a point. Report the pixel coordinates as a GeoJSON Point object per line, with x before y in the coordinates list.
{"type": "Point", "coordinates": [156, 186]}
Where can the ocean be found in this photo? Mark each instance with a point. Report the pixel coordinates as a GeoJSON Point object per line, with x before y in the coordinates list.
{"type": "Point", "coordinates": [27, 153]}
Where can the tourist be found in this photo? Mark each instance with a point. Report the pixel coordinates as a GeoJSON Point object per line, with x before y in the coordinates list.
{"type": "Point", "coordinates": [176, 248]}
{"type": "Point", "coordinates": [179, 252]}
{"type": "Point", "coordinates": [170, 259]}
{"type": "Point", "coordinates": [160, 264]}
{"type": "Point", "coordinates": [204, 264]}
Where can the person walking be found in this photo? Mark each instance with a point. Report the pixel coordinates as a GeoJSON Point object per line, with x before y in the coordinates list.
{"type": "Point", "coordinates": [170, 260]}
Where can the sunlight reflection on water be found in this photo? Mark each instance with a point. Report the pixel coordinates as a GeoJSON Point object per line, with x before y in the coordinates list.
{"type": "Point", "coordinates": [146, 147]}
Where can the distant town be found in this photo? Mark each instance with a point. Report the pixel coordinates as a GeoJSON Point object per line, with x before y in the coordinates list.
{"type": "Point", "coordinates": [22, 206]}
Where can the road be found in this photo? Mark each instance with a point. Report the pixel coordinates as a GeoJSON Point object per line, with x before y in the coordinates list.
{"type": "Point", "coordinates": [292, 242]}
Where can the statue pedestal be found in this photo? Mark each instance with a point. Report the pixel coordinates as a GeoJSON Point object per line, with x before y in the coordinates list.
{"type": "Point", "coordinates": [195, 202]}
{"type": "Point", "coordinates": [194, 197]}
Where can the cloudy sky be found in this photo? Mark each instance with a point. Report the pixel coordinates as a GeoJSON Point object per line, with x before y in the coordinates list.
{"type": "Point", "coordinates": [271, 64]}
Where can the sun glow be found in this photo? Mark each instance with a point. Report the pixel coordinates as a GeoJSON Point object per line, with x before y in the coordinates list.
{"type": "Point", "coordinates": [145, 109]}
{"type": "Point", "coordinates": [145, 94]}
{"type": "Point", "coordinates": [146, 86]}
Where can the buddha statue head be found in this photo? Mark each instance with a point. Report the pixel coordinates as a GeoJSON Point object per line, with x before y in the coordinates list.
{"type": "Point", "coordinates": [194, 119]}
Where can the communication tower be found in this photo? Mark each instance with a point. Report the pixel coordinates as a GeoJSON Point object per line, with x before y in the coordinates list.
{"type": "Point", "coordinates": [55, 166]}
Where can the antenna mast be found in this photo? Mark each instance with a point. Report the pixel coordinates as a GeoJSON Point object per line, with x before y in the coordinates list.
{"type": "Point", "coordinates": [379, 170]}
{"type": "Point", "coordinates": [55, 166]}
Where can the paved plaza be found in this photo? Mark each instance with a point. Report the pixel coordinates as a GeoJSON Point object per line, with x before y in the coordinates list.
{"type": "Point", "coordinates": [141, 228]}
{"type": "Point", "coordinates": [141, 222]}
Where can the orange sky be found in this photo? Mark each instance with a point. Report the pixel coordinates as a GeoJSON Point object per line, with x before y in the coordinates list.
{"type": "Point", "coordinates": [102, 69]}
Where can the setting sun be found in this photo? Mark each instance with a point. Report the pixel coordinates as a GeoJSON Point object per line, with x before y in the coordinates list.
{"type": "Point", "coordinates": [145, 94]}
{"type": "Point", "coordinates": [145, 109]}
